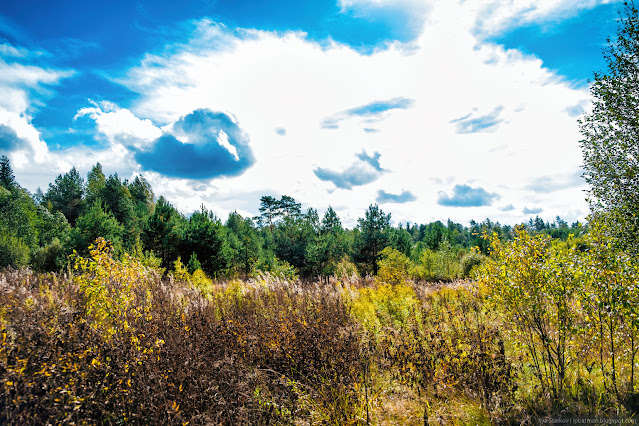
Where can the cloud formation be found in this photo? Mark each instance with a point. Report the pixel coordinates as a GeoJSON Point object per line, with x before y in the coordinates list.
{"type": "Point", "coordinates": [201, 145]}
{"type": "Point", "coordinates": [471, 124]}
{"type": "Point", "coordinates": [373, 111]}
{"type": "Point", "coordinates": [119, 125]}
{"type": "Point", "coordinates": [9, 140]}
{"type": "Point", "coordinates": [304, 82]}
{"type": "Point", "coordinates": [466, 196]}
{"type": "Point", "coordinates": [533, 210]}
{"type": "Point", "coordinates": [387, 197]}
{"type": "Point", "coordinates": [21, 81]}
{"type": "Point", "coordinates": [366, 170]}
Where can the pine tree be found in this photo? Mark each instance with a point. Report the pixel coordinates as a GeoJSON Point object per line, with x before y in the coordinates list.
{"type": "Point", "coordinates": [7, 178]}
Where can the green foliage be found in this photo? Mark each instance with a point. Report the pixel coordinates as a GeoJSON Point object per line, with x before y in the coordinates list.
{"type": "Point", "coordinates": [324, 252]}
{"type": "Point", "coordinates": [610, 138]}
{"type": "Point", "coordinates": [534, 283]}
{"type": "Point", "coordinates": [372, 238]}
{"type": "Point", "coordinates": [142, 194]}
{"type": "Point", "coordinates": [610, 302]}
{"type": "Point", "coordinates": [345, 269]}
{"type": "Point", "coordinates": [291, 239]}
{"type": "Point", "coordinates": [205, 235]}
{"type": "Point", "coordinates": [269, 209]}
{"type": "Point", "coordinates": [65, 195]}
{"type": "Point", "coordinates": [470, 262]}
{"type": "Point", "coordinates": [193, 264]}
{"type": "Point", "coordinates": [400, 240]}
{"type": "Point", "coordinates": [440, 265]}
{"type": "Point", "coordinates": [96, 223]}
{"type": "Point", "coordinates": [244, 243]}
{"type": "Point", "coordinates": [163, 232]}
{"type": "Point", "coordinates": [51, 257]}
{"type": "Point", "coordinates": [7, 178]}
{"type": "Point", "coordinates": [96, 182]}
{"type": "Point", "coordinates": [13, 251]}
{"type": "Point", "coordinates": [277, 268]}
{"type": "Point", "coordinates": [572, 311]}
{"type": "Point", "coordinates": [18, 215]}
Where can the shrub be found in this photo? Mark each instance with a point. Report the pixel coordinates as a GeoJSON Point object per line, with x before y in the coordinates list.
{"type": "Point", "coordinates": [394, 266]}
{"type": "Point", "coordinates": [13, 251]}
{"type": "Point", "coordinates": [345, 270]}
{"type": "Point", "coordinates": [470, 262]}
{"type": "Point", "coordinates": [385, 305]}
{"type": "Point", "coordinates": [440, 265]}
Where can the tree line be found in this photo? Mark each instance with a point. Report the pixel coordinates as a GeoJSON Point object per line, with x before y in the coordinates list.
{"type": "Point", "coordinates": [41, 230]}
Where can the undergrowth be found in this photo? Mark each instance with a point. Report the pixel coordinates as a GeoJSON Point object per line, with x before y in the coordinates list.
{"type": "Point", "coordinates": [115, 341]}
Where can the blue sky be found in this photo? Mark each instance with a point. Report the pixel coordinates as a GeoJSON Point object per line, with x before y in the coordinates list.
{"type": "Point", "coordinates": [434, 109]}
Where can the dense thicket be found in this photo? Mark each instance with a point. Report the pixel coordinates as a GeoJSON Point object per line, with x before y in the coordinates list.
{"type": "Point", "coordinates": [43, 229]}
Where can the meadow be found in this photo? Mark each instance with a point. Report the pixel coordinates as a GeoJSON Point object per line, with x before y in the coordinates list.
{"type": "Point", "coordinates": [545, 330]}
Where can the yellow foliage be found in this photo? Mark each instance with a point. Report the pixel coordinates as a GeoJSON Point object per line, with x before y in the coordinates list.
{"type": "Point", "coordinates": [110, 287]}
{"type": "Point", "coordinates": [202, 282]}
{"type": "Point", "coordinates": [394, 266]}
{"type": "Point", "coordinates": [385, 305]}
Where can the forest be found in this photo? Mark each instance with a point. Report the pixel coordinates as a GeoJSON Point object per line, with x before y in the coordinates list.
{"type": "Point", "coordinates": [116, 308]}
{"type": "Point", "coordinates": [42, 230]}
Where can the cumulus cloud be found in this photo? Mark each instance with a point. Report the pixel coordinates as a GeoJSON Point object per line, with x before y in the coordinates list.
{"type": "Point", "coordinates": [466, 196]}
{"type": "Point", "coordinates": [119, 125]}
{"type": "Point", "coordinates": [387, 197]}
{"type": "Point", "coordinates": [373, 111]}
{"type": "Point", "coordinates": [366, 170]}
{"type": "Point", "coordinates": [472, 124]}
{"type": "Point", "coordinates": [302, 82]}
{"type": "Point", "coordinates": [9, 140]}
{"type": "Point", "coordinates": [22, 140]}
{"type": "Point", "coordinates": [201, 145]}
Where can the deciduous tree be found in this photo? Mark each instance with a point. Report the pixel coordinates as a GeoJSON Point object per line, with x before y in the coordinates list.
{"type": "Point", "coordinates": [610, 133]}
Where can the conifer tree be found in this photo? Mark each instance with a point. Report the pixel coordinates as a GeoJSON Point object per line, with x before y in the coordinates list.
{"type": "Point", "coordinates": [7, 178]}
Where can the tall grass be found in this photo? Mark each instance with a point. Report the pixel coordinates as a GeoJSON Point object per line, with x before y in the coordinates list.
{"type": "Point", "coordinates": [113, 341]}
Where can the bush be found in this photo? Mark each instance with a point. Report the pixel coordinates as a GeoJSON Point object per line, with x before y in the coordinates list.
{"type": "Point", "coordinates": [345, 270]}
{"type": "Point", "coordinates": [394, 267]}
{"type": "Point", "coordinates": [470, 262]}
{"type": "Point", "coordinates": [13, 251]}
{"type": "Point", "coordinates": [385, 305]}
{"type": "Point", "coordinates": [440, 265]}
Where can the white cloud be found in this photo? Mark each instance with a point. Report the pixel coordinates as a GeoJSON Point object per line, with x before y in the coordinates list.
{"type": "Point", "coordinates": [22, 86]}
{"type": "Point", "coordinates": [282, 80]}
{"type": "Point", "coordinates": [498, 15]}
{"type": "Point", "coordinates": [270, 80]}
{"type": "Point", "coordinates": [18, 81]}
{"type": "Point", "coordinates": [485, 16]}
{"type": "Point", "coordinates": [119, 125]}
{"type": "Point", "coordinates": [31, 147]}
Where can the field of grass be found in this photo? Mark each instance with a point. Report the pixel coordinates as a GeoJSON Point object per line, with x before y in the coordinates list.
{"type": "Point", "coordinates": [113, 341]}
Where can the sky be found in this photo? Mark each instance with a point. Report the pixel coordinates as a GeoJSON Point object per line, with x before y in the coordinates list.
{"type": "Point", "coordinates": [433, 109]}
